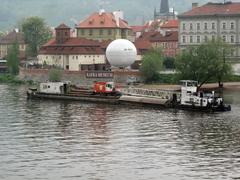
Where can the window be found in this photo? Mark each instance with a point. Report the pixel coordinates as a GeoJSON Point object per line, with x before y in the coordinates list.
{"type": "Point", "coordinates": [73, 57]}
{"type": "Point", "coordinates": [82, 31]}
{"type": "Point", "coordinates": [232, 25]}
{"type": "Point", "coordinates": [100, 32]}
{"type": "Point", "coordinates": [213, 25]}
{"type": "Point", "coordinates": [184, 39]}
{"type": "Point", "coordinates": [109, 32]}
{"type": "Point", "coordinates": [76, 57]}
{"type": "Point", "coordinates": [224, 26]}
{"type": "Point", "coordinates": [191, 39]}
{"type": "Point", "coordinates": [205, 38]}
{"type": "Point", "coordinates": [198, 26]}
{"type": "Point", "coordinates": [191, 26]}
{"type": "Point", "coordinates": [184, 26]}
{"type": "Point", "coordinates": [232, 39]}
{"type": "Point", "coordinates": [90, 32]}
{"type": "Point", "coordinates": [65, 33]}
{"type": "Point", "coordinates": [198, 39]}
{"type": "Point", "coordinates": [205, 26]}
{"type": "Point", "coordinates": [224, 38]}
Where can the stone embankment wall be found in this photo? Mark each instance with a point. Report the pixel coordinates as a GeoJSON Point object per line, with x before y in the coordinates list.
{"type": "Point", "coordinates": [79, 77]}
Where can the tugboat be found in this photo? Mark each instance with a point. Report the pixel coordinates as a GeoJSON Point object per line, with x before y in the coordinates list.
{"type": "Point", "coordinates": [193, 99]}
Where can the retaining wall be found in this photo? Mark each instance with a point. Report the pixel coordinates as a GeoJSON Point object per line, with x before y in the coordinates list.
{"type": "Point", "coordinates": [79, 77]}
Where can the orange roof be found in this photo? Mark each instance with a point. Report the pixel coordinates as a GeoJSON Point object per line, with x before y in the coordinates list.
{"type": "Point", "coordinates": [170, 36]}
{"type": "Point", "coordinates": [103, 20]}
{"type": "Point", "coordinates": [229, 8]}
{"type": "Point", "coordinates": [138, 28]}
{"type": "Point", "coordinates": [73, 42]}
{"type": "Point", "coordinates": [172, 23]}
{"type": "Point", "coordinates": [72, 46]}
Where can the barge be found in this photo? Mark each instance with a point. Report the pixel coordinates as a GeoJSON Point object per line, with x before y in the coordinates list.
{"type": "Point", "coordinates": [188, 98]}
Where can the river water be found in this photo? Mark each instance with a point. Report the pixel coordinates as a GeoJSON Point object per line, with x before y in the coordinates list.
{"type": "Point", "coordinates": [72, 140]}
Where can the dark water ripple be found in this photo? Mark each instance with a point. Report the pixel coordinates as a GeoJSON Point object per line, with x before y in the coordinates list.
{"type": "Point", "coordinates": [72, 140]}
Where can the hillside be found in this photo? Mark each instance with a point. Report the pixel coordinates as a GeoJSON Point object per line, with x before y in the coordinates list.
{"type": "Point", "coordinates": [57, 11]}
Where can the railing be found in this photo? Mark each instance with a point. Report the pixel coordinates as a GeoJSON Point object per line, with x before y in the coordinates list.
{"type": "Point", "coordinates": [163, 94]}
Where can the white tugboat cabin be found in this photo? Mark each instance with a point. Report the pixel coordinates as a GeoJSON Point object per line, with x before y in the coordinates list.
{"type": "Point", "coordinates": [190, 96]}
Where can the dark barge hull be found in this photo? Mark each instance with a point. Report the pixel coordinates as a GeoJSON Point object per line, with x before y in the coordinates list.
{"type": "Point", "coordinates": [86, 98]}
{"type": "Point", "coordinates": [221, 108]}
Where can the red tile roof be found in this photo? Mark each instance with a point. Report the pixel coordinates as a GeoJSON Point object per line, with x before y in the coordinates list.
{"type": "Point", "coordinates": [11, 37]}
{"type": "Point", "coordinates": [170, 36]}
{"type": "Point", "coordinates": [173, 23]}
{"type": "Point", "coordinates": [229, 8]}
{"type": "Point", "coordinates": [138, 28]}
{"type": "Point", "coordinates": [73, 42]}
{"type": "Point", "coordinates": [159, 37]}
{"type": "Point", "coordinates": [103, 20]}
{"type": "Point", "coordinates": [72, 46]}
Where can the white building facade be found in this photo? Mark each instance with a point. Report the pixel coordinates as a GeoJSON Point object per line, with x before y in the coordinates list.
{"type": "Point", "coordinates": [209, 22]}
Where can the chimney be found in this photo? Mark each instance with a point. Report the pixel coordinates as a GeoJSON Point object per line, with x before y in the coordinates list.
{"type": "Point", "coordinates": [101, 11]}
{"type": "Point", "coordinates": [194, 5]}
{"type": "Point", "coordinates": [118, 15]}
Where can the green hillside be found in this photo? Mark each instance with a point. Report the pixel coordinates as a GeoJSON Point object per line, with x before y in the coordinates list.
{"type": "Point", "coordinates": [57, 11]}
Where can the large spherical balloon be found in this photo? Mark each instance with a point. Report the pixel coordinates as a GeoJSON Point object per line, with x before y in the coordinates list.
{"type": "Point", "coordinates": [121, 53]}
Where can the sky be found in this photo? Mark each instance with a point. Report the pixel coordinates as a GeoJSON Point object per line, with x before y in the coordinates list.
{"type": "Point", "coordinates": [71, 11]}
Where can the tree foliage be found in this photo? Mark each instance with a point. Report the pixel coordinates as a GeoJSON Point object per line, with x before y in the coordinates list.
{"type": "Point", "coordinates": [13, 59]}
{"type": "Point", "coordinates": [55, 75]}
{"type": "Point", "coordinates": [36, 33]}
{"type": "Point", "coordinates": [205, 62]}
{"type": "Point", "coordinates": [152, 63]}
{"type": "Point", "coordinates": [169, 63]}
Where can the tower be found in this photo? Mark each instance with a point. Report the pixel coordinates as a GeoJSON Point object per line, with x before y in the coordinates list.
{"type": "Point", "coordinates": [164, 13]}
{"type": "Point", "coordinates": [62, 33]}
{"type": "Point", "coordinates": [164, 8]}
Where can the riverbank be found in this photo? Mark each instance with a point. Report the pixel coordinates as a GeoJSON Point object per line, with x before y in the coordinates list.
{"type": "Point", "coordinates": [10, 79]}
{"type": "Point", "coordinates": [233, 86]}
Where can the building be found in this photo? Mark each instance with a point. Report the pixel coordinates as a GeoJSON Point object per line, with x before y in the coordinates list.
{"type": "Point", "coordinates": [166, 40]}
{"type": "Point", "coordinates": [7, 41]}
{"type": "Point", "coordinates": [73, 53]}
{"type": "Point", "coordinates": [3, 66]}
{"type": "Point", "coordinates": [170, 25]}
{"type": "Point", "coordinates": [138, 30]}
{"type": "Point", "coordinates": [164, 13]}
{"type": "Point", "coordinates": [211, 21]}
{"type": "Point", "coordinates": [105, 26]}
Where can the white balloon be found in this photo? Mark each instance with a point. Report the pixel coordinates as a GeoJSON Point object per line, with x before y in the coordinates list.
{"type": "Point", "coordinates": [121, 53]}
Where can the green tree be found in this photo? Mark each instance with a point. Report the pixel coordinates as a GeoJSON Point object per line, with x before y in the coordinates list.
{"type": "Point", "coordinates": [55, 75]}
{"type": "Point", "coordinates": [13, 59]}
{"type": "Point", "coordinates": [169, 63]}
{"type": "Point", "coordinates": [1, 34]}
{"type": "Point", "coordinates": [205, 62]}
{"type": "Point", "coordinates": [36, 33]}
{"type": "Point", "coordinates": [152, 63]}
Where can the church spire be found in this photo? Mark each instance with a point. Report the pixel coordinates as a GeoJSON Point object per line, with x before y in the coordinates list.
{"type": "Point", "coordinates": [164, 8]}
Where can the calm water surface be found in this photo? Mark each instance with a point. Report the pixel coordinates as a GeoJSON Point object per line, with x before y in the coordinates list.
{"type": "Point", "coordinates": [73, 140]}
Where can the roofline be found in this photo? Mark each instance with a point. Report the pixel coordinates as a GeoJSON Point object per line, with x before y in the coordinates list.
{"type": "Point", "coordinates": [102, 27]}
{"type": "Point", "coordinates": [69, 45]}
{"type": "Point", "coordinates": [208, 15]}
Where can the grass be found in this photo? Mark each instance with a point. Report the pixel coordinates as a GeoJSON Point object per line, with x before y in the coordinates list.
{"type": "Point", "coordinates": [8, 78]}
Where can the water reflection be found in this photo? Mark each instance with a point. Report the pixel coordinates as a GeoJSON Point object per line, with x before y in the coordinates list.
{"type": "Point", "coordinates": [73, 140]}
